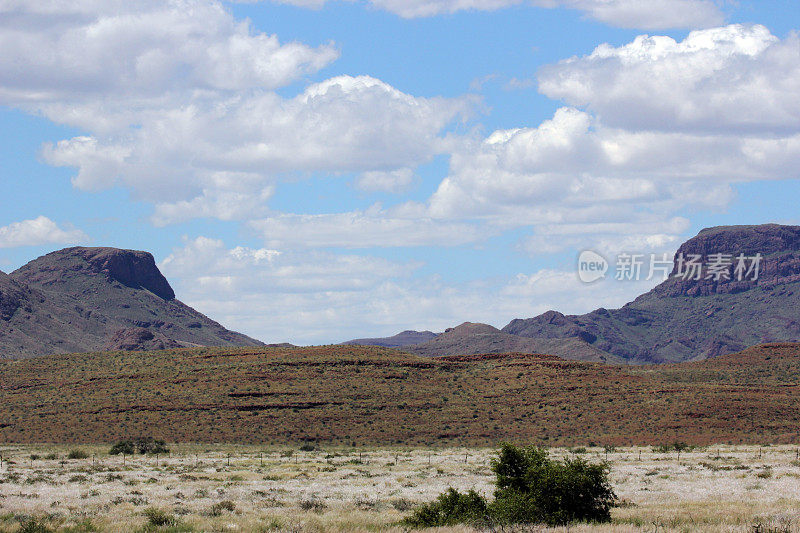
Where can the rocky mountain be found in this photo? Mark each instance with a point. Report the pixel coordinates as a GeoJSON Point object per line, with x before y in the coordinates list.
{"type": "Point", "coordinates": [89, 299]}
{"type": "Point", "coordinates": [698, 312]}
{"type": "Point", "coordinates": [404, 338]}
{"type": "Point", "coordinates": [717, 300]}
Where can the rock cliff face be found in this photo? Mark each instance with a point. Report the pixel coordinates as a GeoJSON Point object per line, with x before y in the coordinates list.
{"type": "Point", "coordinates": [699, 316]}
{"type": "Point", "coordinates": [89, 299]}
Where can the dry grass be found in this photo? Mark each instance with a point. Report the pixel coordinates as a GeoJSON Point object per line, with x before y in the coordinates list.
{"type": "Point", "coordinates": [719, 489]}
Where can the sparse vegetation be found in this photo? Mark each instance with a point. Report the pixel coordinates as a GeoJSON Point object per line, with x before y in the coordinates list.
{"type": "Point", "coordinates": [77, 454]}
{"type": "Point", "coordinates": [531, 488]}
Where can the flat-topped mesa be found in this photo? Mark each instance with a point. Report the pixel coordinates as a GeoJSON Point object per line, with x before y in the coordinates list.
{"type": "Point", "coordinates": [776, 246]}
{"type": "Point", "coordinates": [134, 269]}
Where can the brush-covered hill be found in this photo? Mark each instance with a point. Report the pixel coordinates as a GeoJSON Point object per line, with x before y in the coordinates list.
{"type": "Point", "coordinates": [368, 395]}
{"type": "Point", "coordinates": [474, 338]}
{"type": "Point", "coordinates": [404, 338]}
{"type": "Point", "coordinates": [87, 299]}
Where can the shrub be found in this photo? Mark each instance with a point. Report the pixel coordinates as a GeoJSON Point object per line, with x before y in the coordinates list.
{"type": "Point", "coordinates": [158, 518]}
{"type": "Point", "coordinates": [449, 509]}
{"type": "Point", "coordinates": [147, 445]}
{"type": "Point", "coordinates": [33, 525]}
{"type": "Point", "coordinates": [77, 454]}
{"type": "Point", "coordinates": [125, 447]}
{"type": "Point", "coordinates": [224, 506]}
{"type": "Point", "coordinates": [531, 488]}
{"type": "Point", "coordinates": [307, 447]}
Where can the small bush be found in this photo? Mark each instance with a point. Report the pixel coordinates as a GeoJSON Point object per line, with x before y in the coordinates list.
{"type": "Point", "coordinates": [449, 509]}
{"type": "Point", "coordinates": [147, 445]}
{"type": "Point", "coordinates": [313, 504]}
{"type": "Point", "coordinates": [221, 507]}
{"type": "Point", "coordinates": [77, 454]}
{"type": "Point", "coordinates": [307, 447]}
{"type": "Point", "coordinates": [33, 525]}
{"type": "Point", "coordinates": [158, 518]}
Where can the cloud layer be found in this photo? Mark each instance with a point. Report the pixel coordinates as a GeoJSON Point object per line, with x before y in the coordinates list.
{"type": "Point", "coordinates": [649, 15]}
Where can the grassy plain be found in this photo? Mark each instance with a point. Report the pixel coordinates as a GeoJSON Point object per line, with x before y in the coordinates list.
{"type": "Point", "coordinates": [245, 488]}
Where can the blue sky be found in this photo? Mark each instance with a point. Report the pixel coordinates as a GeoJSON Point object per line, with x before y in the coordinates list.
{"type": "Point", "coordinates": [313, 171]}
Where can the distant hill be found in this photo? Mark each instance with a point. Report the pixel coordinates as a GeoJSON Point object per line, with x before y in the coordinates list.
{"type": "Point", "coordinates": [471, 338]}
{"type": "Point", "coordinates": [687, 319]}
{"type": "Point", "coordinates": [679, 320]}
{"type": "Point", "coordinates": [88, 299]}
{"type": "Point", "coordinates": [404, 338]}
{"type": "Point", "coordinates": [341, 395]}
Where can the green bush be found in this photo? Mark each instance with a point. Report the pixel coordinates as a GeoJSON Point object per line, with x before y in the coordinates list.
{"type": "Point", "coordinates": [77, 454]}
{"type": "Point", "coordinates": [147, 445]}
{"type": "Point", "coordinates": [531, 488]}
{"type": "Point", "coordinates": [449, 509]}
{"type": "Point", "coordinates": [125, 447]}
{"type": "Point", "coordinates": [143, 445]}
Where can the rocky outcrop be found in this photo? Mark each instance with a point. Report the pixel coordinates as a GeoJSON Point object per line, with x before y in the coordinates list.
{"type": "Point", "coordinates": [139, 339]}
{"type": "Point", "coordinates": [133, 269]}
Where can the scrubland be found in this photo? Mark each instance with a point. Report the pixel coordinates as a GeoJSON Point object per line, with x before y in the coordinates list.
{"type": "Point", "coordinates": [247, 488]}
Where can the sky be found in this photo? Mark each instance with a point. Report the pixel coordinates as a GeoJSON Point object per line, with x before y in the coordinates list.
{"type": "Point", "coordinates": [313, 171]}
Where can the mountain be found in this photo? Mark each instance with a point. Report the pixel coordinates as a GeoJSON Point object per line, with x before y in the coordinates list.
{"type": "Point", "coordinates": [89, 299]}
{"type": "Point", "coordinates": [472, 338]}
{"type": "Point", "coordinates": [341, 395]}
{"type": "Point", "coordinates": [404, 338]}
{"type": "Point", "coordinates": [694, 319]}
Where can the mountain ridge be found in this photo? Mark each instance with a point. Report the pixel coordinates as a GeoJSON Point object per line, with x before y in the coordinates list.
{"type": "Point", "coordinates": [678, 320]}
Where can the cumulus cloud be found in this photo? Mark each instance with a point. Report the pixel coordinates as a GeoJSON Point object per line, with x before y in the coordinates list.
{"type": "Point", "coordinates": [738, 77]}
{"type": "Point", "coordinates": [572, 168]}
{"type": "Point", "coordinates": [313, 298]}
{"type": "Point", "coordinates": [89, 49]}
{"type": "Point", "coordinates": [177, 155]}
{"type": "Point", "coordinates": [650, 15]}
{"type": "Point", "coordinates": [38, 231]}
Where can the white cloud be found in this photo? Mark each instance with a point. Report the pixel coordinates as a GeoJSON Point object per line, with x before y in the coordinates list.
{"type": "Point", "coordinates": [572, 169]}
{"type": "Point", "coordinates": [38, 231]}
{"type": "Point", "coordinates": [365, 229]}
{"type": "Point", "coordinates": [394, 181]}
{"type": "Point", "coordinates": [176, 155]}
{"type": "Point", "coordinates": [730, 79]}
{"type": "Point", "coordinates": [89, 49]}
{"type": "Point", "coordinates": [647, 15]}
{"type": "Point", "coordinates": [321, 297]}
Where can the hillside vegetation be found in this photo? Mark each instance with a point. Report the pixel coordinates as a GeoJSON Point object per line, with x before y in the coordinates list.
{"type": "Point", "coordinates": [377, 396]}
